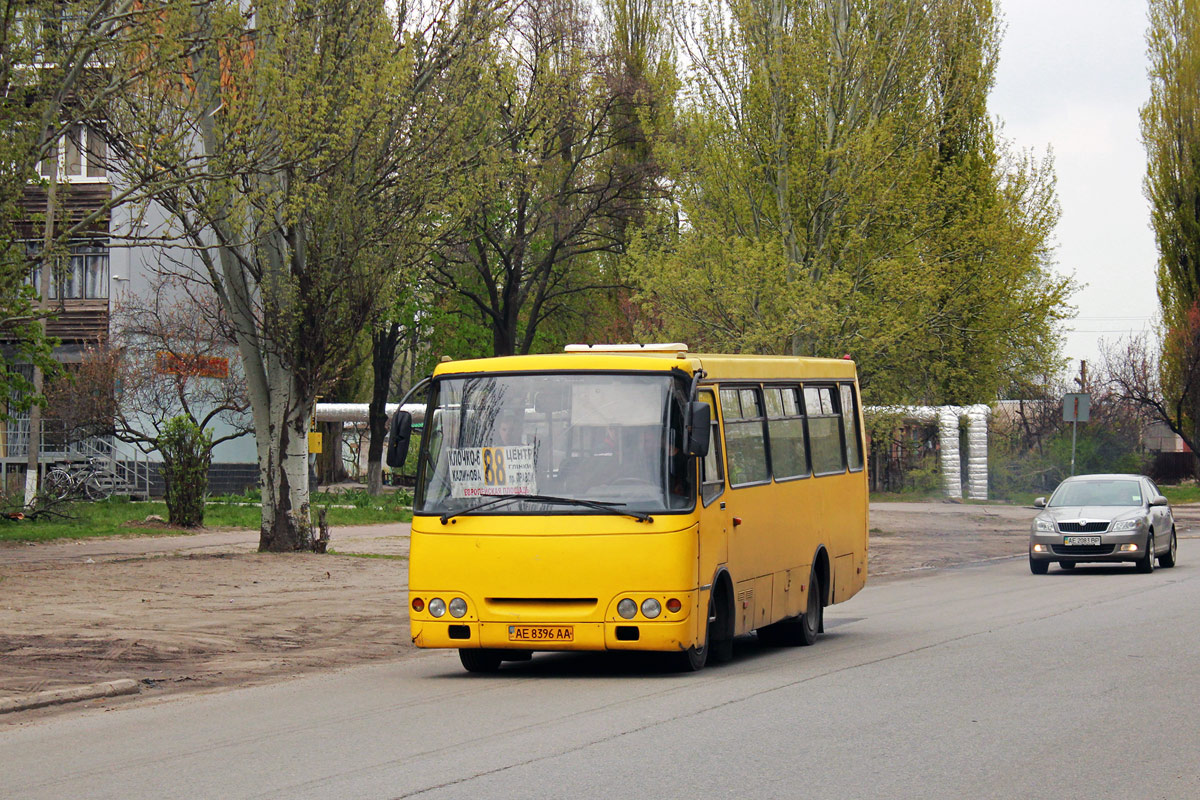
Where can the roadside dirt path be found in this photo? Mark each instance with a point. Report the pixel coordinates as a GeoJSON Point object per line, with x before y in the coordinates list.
{"type": "Point", "coordinates": [204, 612]}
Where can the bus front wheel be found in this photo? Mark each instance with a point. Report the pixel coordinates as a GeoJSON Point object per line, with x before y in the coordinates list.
{"type": "Point", "coordinates": [479, 660]}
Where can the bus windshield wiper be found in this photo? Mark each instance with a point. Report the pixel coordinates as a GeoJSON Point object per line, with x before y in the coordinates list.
{"type": "Point", "coordinates": [599, 505]}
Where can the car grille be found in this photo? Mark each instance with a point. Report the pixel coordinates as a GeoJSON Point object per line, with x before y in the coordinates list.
{"type": "Point", "coordinates": [1083, 549]}
{"type": "Point", "coordinates": [1083, 527]}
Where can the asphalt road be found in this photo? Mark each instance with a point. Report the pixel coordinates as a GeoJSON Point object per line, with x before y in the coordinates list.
{"type": "Point", "coordinates": [981, 682]}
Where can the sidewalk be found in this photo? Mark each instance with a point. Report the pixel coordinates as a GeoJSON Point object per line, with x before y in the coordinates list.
{"type": "Point", "coordinates": [347, 539]}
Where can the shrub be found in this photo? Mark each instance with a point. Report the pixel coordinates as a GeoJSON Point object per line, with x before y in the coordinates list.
{"type": "Point", "coordinates": [186, 449]}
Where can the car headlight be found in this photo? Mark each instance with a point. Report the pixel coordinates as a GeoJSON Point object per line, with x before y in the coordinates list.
{"type": "Point", "coordinates": [1126, 525]}
{"type": "Point", "coordinates": [1043, 526]}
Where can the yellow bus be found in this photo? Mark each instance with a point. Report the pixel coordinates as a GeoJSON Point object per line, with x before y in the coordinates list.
{"type": "Point", "coordinates": [633, 497]}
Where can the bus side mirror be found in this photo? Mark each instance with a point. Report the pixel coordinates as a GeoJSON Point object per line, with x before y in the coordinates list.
{"type": "Point", "coordinates": [699, 428]}
{"type": "Point", "coordinates": [399, 435]}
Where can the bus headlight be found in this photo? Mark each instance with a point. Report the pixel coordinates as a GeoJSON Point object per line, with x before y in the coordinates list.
{"type": "Point", "coordinates": [651, 608]}
{"type": "Point", "coordinates": [458, 607]}
{"type": "Point", "coordinates": [627, 608]}
{"type": "Point", "coordinates": [437, 606]}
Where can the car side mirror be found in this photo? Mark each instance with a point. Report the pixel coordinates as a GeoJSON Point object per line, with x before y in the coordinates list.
{"type": "Point", "coordinates": [399, 436]}
{"type": "Point", "coordinates": [1039, 503]}
{"type": "Point", "coordinates": [699, 429]}
{"type": "Point", "coordinates": [1158, 500]}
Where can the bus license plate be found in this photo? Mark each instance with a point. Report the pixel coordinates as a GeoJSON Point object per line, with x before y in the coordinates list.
{"type": "Point", "coordinates": [541, 633]}
{"type": "Point", "coordinates": [1081, 540]}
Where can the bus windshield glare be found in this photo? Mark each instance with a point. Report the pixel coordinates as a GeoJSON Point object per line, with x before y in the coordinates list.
{"type": "Point", "coordinates": [604, 438]}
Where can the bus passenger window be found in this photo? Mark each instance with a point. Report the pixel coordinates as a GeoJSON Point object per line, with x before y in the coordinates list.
{"type": "Point", "coordinates": [712, 474]}
{"type": "Point", "coordinates": [854, 456]}
{"type": "Point", "coordinates": [824, 430]}
{"type": "Point", "coordinates": [789, 457]}
{"type": "Point", "coordinates": [745, 443]}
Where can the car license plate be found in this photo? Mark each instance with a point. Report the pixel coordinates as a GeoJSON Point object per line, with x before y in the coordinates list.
{"type": "Point", "coordinates": [1081, 540]}
{"type": "Point", "coordinates": [541, 633]}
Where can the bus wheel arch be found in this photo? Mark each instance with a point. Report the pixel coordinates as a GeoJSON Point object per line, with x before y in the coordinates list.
{"type": "Point", "coordinates": [720, 631]}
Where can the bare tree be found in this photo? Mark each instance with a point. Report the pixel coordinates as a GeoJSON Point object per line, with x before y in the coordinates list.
{"type": "Point", "coordinates": [176, 356]}
{"type": "Point", "coordinates": [1167, 390]}
{"type": "Point", "coordinates": [318, 137]}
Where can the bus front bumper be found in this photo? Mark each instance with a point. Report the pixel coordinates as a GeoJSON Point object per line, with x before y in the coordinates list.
{"type": "Point", "coordinates": [665, 636]}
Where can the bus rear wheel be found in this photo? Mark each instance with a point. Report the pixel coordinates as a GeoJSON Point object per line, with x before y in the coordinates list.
{"type": "Point", "coordinates": [479, 659]}
{"type": "Point", "coordinates": [803, 629]}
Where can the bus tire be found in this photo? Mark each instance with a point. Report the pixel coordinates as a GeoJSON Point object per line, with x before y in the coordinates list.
{"type": "Point", "coordinates": [476, 659]}
{"type": "Point", "coordinates": [720, 643]}
{"type": "Point", "coordinates": [812, 621]}
{"type": "Point", "coordinates": [690, 660]}
{"type": "Point", "coordinates": [800, 630]}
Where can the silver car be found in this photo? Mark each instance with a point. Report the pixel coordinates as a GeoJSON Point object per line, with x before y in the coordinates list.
{"type": "Point", "coordinates": [1103, 518]}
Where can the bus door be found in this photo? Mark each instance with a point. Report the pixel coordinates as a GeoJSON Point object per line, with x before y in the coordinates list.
{"type": "Point", "coordinates": [714, 512]}
{"type": "Point", "coordinates": [751, 503]}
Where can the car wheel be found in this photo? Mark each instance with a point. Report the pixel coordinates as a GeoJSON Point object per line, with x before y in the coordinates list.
{"type": "Point", "coordinates": [1038, 567]}
{"type": "Point", "coordinates": [1167, 559]}
{"type": "Point", "coordinates": [1066, 564]}
{"type": "Point", "coordinates": [479, 660]}
{"type": "Point", "coordinates": [1146, 562]}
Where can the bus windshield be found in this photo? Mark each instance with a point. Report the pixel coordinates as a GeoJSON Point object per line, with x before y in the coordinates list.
{"type": "Point", "coordinates": [612, 439]}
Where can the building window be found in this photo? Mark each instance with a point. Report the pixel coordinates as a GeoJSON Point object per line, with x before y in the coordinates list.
{"type": "Point", "coordinates": [80, 156]}
{"type": "Point", "coordinates": [81, 275]}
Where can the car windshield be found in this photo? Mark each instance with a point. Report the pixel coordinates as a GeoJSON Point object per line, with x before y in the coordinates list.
{"type": "Point", "coordinates": [611, 440]}
{"type": "Point", "coordinates": [1098, 493]}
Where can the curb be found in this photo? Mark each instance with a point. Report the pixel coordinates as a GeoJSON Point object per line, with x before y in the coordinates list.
{"type": "Point", "coordinates": [74, 694]}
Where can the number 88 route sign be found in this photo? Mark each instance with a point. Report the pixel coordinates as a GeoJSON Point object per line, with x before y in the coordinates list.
{"type": "Point", "coordinates": [482, 471]}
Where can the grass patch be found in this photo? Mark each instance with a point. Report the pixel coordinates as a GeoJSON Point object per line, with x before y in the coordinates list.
{"type": "Point", "coordinates": [120, 517]}
{"type": "Point", "coordinates": [1184, 493]}
{"type": "Point", "coordinates": [389, 556]}
{"type": "Point", "coordinates": [112, 517]}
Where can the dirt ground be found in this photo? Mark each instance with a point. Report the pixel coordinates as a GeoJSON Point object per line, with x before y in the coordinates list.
{"type": "Point", "coordinates": [204, 612]}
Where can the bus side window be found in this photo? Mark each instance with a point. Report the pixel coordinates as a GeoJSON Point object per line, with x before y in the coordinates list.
{"type": "Point", "coordinates": [789, 456]}
{"type": "Point", "coordinates": [824, 430]}
{"type": "Point", "coordinates": [712, 474]}
{"type": "Point", "coordinates": [854, 454]}
{"type": "Point", "coordinates": [745, 442]}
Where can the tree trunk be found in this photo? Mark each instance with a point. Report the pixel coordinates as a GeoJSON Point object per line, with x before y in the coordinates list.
{"type": "Point", "coordinates": [33, 456]}
{"type": "Point", "coordinates": [282, 407]}
{"type": "Point", "coordinates": [283, 470]}
{"type": "Point", "coordinates": [331, 468]}
{"type": "Point", "coordinates": [383, 356]}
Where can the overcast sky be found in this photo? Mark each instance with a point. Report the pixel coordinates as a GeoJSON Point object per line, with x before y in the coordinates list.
{"type": "Point", "coordinates": [1072, 78]}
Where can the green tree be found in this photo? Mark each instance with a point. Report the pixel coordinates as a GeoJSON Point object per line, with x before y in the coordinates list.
{"type": "Point", "coordinates": [1171, 133]}
{"type": "Point", "coordinates": [551, 196]}
{"type": "Point", "coordinates": [840, 191]}
{"type": "Point", "coordinates": [315, 138]}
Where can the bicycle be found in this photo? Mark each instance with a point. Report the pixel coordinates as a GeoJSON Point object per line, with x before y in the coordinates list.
{"type": "Point", "coordinates": [86, 482]}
